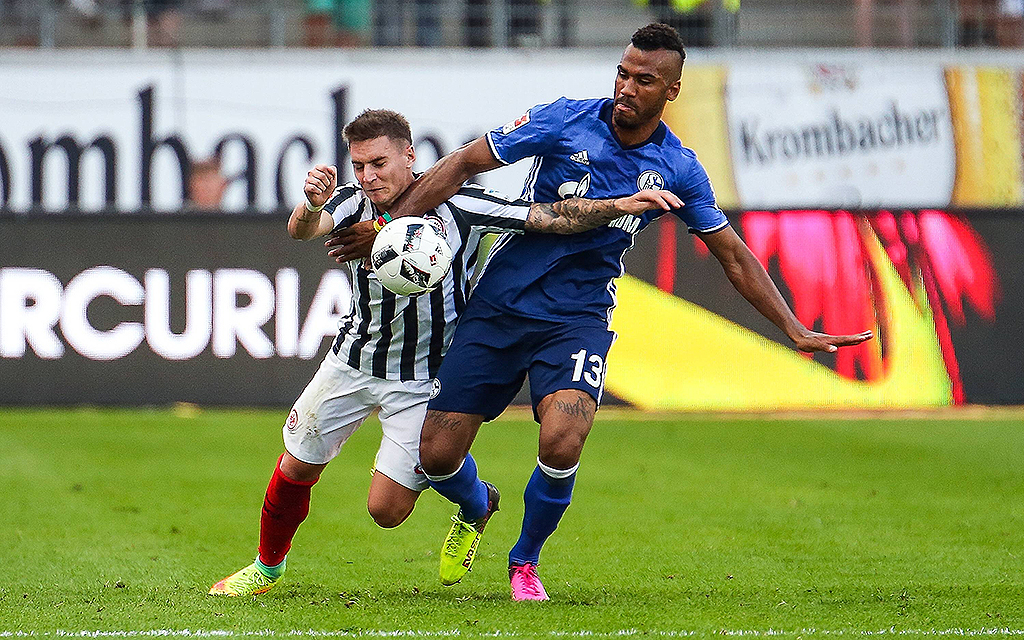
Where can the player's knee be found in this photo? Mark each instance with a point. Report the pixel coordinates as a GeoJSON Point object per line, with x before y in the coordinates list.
{"type": "Point", "coordinates": [388, 508]}
{"type": "Point", "coordinates": [300, 471]}
{"type": "Point", "coordinates": [561, 457]}
{"type": "Point", "coordinates": [438, 456]}
{"type": "Point", "coordinates": [438, 461]}
{"type": "Point", "coordinates": [562, 450]}
{"type": "Point", "coordinates": [431, 453]}
{"type": "Point", "coordinates": [388, 516]}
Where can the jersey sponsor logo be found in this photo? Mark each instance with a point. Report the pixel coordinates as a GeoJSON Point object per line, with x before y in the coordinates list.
{"type": "Point", "coordinates": [628, 223]}
{"type": "Point", "coordinates": [574, 189]}
{"type": "Point", "coordinates": [650, 179]}
{"type": "Point", "coordinates": [435, 388]}
{"type": "Point", "coordinates": [515, 124]}
{"type": "Point", "coordinates": [292, 423]}
{"type": "Point", "coordinates": [580, 157]}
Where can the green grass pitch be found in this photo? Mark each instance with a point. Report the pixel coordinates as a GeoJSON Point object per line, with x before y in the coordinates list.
{"type": "Point", "coordinates": [119, 521]}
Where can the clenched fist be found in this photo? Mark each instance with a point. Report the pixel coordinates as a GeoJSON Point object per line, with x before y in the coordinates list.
{"type": "Point", "coordinates": [321, 181]}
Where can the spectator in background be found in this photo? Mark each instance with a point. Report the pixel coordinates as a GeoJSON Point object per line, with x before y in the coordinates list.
{"type": "Point", "coordinates": [428, 23]}
{"type": "Point", "coordinates": [87, 8]}
{"type": "Point", "coordinates": [163, 16]}
{"type": "Point", "coordinates": [89, 11]}
{"type": "Point", "coordinates": [693, 19]}
{"type": "Point", "coordinates": [206, 185]}
{"type": "Point", "coordinates": [214, 10]}
{"type": "Point", "coordinates": [1010, 24]}
{"type": "Point", "coordinates": [976, 23]}
{"type": "Point", "coordinates": [477, 23]}
{"type": "Point", "coordinates": [342, 23]}
{"type": "Point", "coordinates": [317, 23]}
{"type": "Point", "coordinates": [524, 22]}
{"type": "Point", "coordinates": [390, 22]}
{"type": "Point", "coordinates": [164, 22]}
{"type": "Point", "coordinates": [991, 23]}
{"type": "Point", "coordinates": [21, 19]}
{"type": "Point", "coordinates": [689, 17]}
{"type": "Point", "coordinates": [865, 22]}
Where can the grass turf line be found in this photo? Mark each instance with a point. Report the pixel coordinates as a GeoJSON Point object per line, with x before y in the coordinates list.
{"type": "Point", "coordinates": [117, 519]}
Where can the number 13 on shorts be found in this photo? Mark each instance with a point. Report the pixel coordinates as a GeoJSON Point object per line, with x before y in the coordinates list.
{"type": "Point", "coordinates": [594, 374]}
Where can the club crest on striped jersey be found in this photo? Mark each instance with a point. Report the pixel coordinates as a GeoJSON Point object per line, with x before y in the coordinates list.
{"type": "Point", "coordinates": [438, 223]}
{"type": "Point", "coordinates": [650, 179]}
{"type": "Point", "coordinates": [515, 124]}
{"type": "Point", "coordinates": [574, 189]}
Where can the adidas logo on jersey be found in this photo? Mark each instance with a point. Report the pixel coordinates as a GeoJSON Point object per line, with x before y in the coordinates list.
{"type": "Point", "coordinates": [580, 157]}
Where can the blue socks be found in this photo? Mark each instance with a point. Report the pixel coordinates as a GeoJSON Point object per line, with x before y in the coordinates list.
{"type": "Point", "coordinates": [547, 496]}
{"type": "Point", "coordinates": [464, 488]}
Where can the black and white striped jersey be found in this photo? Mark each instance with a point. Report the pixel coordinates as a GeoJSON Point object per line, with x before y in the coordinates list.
{"type": "Point", "coordinates": [401, 337]}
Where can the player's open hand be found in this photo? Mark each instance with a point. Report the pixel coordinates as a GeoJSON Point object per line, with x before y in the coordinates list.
{"type": "Point", "coordinates": [321, 181]}
{"type": "Point", "coordinates": [351, 243]}
{"type": "Point", "coordinates": [647, 199]}
{"type": "Point", "coordinates": [814, 341]}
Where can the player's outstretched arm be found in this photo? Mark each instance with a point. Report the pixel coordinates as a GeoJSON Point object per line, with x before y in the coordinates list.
{"type": "Point", "coordinates": [307, 220]}
{"type": "Point", "coordinates": [580, 214]}
{"type": "Point", "coordinates": [442, 180]}
{"type": "Point", "coordinates": [753, 282]}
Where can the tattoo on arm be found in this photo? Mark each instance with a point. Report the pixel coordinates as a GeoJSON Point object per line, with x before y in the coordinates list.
{"type": "Point", "coordinates": [580, 409]}
{"type": "Point", "coordinates": [571, 216]}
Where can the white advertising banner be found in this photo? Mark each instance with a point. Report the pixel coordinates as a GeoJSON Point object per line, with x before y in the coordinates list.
{"type": "Point", "coordinates": [843, 135]}
{"type": "Point", "coordinates": [119, 129]}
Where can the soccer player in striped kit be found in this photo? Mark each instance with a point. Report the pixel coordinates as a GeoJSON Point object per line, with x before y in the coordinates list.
{"type": "Point", "coordinates": [389, 347]}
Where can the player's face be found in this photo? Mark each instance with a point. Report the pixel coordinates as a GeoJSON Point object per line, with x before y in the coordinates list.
{"type": "Point", "coordinates": [383, 168]}
{"type": "Point", "coordinates": [644, 82]}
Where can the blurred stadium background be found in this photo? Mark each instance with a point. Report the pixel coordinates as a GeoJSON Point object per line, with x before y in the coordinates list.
{"type": "Point", "coordinates": [500, 23]}
{"type": "Point", "coordinates": [869, 151]}
{"type": "Point", "coordinates": [881, 184]}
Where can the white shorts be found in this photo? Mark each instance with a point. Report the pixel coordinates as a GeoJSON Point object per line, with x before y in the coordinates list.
{"type": "Point", "coordinates": [339, 398]}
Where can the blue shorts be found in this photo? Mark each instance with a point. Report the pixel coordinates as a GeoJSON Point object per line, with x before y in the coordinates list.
{"type": "Point", "coordinates": [492, 352]}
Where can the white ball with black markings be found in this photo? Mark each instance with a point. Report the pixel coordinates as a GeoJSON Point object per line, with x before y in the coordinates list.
{"type": "Point", "coordinates": [410, 255]}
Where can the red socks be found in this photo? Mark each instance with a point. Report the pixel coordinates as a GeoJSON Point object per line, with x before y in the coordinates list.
{"type": "Point", "coordinates": [285, 506]}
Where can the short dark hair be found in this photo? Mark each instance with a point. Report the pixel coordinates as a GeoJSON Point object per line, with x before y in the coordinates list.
{"type": "Point", "coordinates": [374, 123]}
{"type": "Point", "coordinates": [657, 36]}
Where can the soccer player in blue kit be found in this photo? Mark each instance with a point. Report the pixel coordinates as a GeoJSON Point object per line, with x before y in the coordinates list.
{"type": "Point", "coordinates": [543, 304]}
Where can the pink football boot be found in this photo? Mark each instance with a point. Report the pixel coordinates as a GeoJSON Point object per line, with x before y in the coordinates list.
{"type": "Point", "coordinates": [526, 584]}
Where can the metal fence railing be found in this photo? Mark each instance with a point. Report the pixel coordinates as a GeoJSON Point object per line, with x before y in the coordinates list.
{"type": "Point", "coordinates": [506, 23]}
{"type": "Point", "coordinates": [318, 23]}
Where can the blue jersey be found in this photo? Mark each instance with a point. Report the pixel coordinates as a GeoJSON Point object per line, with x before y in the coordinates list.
{"type": "Point", "coordinates": [570, 278]}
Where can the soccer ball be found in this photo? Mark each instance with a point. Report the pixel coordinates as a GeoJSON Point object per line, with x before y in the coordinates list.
{"type": "Point", "coordinates": [410, 255]}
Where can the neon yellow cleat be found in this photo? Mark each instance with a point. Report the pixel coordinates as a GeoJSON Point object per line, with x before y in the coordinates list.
{"type": "Point", "coordinates": [245, 583]}
{"type": "Point", "coordinates": [459, 548]}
